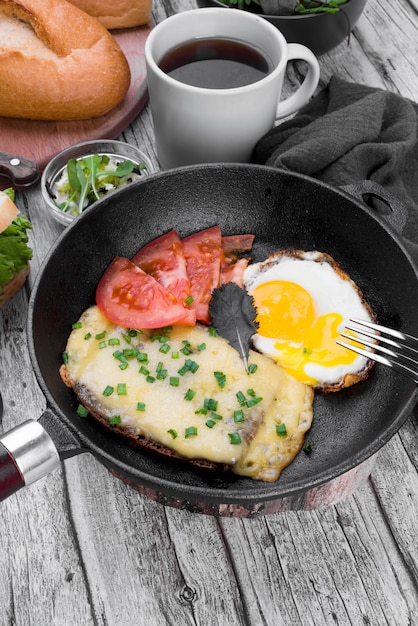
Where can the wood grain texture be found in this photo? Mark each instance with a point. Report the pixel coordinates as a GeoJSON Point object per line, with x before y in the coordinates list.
{"type": "Point", "coordinates": [81, 548]}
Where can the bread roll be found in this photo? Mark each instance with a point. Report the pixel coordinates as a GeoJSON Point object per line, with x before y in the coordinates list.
{"type": "Point", "coordinates": [117, 13]}
{"type": "Point", "coordinates": [57, 62]}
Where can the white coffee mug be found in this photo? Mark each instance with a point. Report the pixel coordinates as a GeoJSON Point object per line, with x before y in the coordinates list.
{"type": "Point", "coordinates": [204, 125]}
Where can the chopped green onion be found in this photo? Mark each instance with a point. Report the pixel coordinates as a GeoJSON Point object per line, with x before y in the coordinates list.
{"type": "Point", "coordinates": [220, 379]}
{"type": "Point", "coordinates": [191, 431]}
{"type": "Point", "coordinates": [201, 411]}
{"type": "Point", "coordinates": [238, 415]}
{"type": "Point", "coordinates": [210, 404]}
{"type": "Point", "coordinates": [210, 423]}
{"type": "Point", "coordinates": [126, 337]}
{"type": "Point", "coordinates": [142, 357]}
{"type": "Point", "coordinates": [82, 411]}
{"type": "Point", "coordinates": [123, 365]}
{"type": "Point", "coordinates": [161, 374]}
{"type": "Point", "coordinates": [76, 325]}
{"type": "Point", "coordinates": [101, 335]}
{"type": "Point", "coordinates": [174, 381]}
{"type": "Point", "coordinates": [132, 332]}
{"type": "Point", "coordinates": [193, 366]}
{"type": "Point", "coordinates": [102, 345]}
{"type": "Point", "coordinates": [164, 348]}
{"type": "Point", "coordinates": [251, 392]}
{"type": "Point", "coordinates": [201, 346]}
{"type": "Point", "coordinates": [114, 341]}
{"type": "Point", "coordinates": [175, 355]}
{"type": "Point", "coordinates": [121, 389]}
{"type": "Point", "coordinates": [241, 398]}
{"type": "Point", "coordinates": [65, 357]}
{"type": "Point", "coordinates": [87, 336]}
{"type": "Point", "coordinates": [189, 395]}
{"type": "Point", "coordinates": [150, 379]}
{"type": "Point", "coordinates": [143, 370]}
{"type": "Point", "coordinates": [108, 391]}
{"type": "Point", "coordinates": [212, 331]}
{"type": "Point", "coordinates": [173, 433]}
{"type": "Point", "coordinates": [252, 368]}
{"type": "Point", "coordinates": [281, 430]}
{"type": "Point", "coordinates": [163, 339]}
{"type": "Point", "coordinates": [253, 401]}
{"type": "Point", "coordinates": [215, 416]}
{"type": "Point", "coordinates": [140, 406]}
{"type": "Point", "coordinates": [115, 419]}
{"type": "Point", "coordinates": [186, 351]}
{"type": "Point", "coordinates": [234, 438]}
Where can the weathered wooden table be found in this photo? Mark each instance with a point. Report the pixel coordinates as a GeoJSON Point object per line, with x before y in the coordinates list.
{"type": "Point", "coordinates": [81, 548]}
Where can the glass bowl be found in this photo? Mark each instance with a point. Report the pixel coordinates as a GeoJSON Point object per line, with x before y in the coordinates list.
{"type": "Point", "coordinates": [117, 151]}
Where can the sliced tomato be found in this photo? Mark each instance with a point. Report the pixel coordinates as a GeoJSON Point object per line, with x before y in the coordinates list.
{"type": "Point", "coordinates": [130, 297]}
{"type": "Point", "coordinates": [203, 254]}
{"type": "Point", "coordinates": [233, 264]}
{"type": "Point", "coordinates": [164, 259]}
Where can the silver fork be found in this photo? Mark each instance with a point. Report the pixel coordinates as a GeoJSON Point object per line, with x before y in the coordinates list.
{"type": "Point", "coordinates": [402, 356]}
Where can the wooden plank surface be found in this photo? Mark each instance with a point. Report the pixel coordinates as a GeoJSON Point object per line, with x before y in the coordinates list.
{"type": "Point", "coordinates": [81, 548]}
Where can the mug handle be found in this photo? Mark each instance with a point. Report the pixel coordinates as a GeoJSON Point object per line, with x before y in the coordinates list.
{"type": "Point", "coordinates": [301, 96]}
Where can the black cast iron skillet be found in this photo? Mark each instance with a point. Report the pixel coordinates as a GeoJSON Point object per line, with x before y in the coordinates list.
{"type": "Point", "coordinates": [283, 210]}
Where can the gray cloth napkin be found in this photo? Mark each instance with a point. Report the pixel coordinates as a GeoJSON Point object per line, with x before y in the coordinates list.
{"type": "Point", "coordinates": [350, 133]}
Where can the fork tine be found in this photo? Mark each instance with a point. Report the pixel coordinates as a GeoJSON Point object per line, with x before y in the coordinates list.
{"type": "Point", "coordinates": [411, 342]}
{"type": "Point", "coordinates": [399, 360]}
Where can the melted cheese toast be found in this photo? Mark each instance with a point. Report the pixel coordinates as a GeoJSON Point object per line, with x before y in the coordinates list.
{"type": "Point", "coordinates": [184, 391]}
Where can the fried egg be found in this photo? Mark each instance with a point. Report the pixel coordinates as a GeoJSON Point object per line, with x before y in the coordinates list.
{"type": "Point", "coordinates": [303, 300]}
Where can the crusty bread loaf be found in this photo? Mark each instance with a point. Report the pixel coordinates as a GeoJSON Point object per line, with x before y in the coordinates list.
{"type": "Point", "coordinates": [117, 13]}
{"type": "Point", "coordinates": [13, 286]}
{"type": "Point", "coordinates": [57, 62]}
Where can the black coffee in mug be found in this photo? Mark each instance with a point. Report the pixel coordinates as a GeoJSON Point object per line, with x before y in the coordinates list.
{"type": "Point", "coordinates": [215, 63]}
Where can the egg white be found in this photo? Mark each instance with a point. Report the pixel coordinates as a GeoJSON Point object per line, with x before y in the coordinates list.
{"type": "Point", "coordinates": [331, 292]}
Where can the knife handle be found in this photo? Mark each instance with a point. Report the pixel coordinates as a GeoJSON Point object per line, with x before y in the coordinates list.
{"type": "Point", "coordinates": [20, 171]}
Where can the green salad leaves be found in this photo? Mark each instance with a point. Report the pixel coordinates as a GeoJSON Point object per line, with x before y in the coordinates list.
{"type": "Point", "coordinates": [15, 254]}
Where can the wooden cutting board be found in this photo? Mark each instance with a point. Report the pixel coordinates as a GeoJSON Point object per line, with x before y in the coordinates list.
{"type": "Point", "coordinates": [40, 140]}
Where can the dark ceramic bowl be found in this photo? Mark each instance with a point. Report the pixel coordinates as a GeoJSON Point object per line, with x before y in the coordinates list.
{"type": "Point", "coordinates": [321, 32]}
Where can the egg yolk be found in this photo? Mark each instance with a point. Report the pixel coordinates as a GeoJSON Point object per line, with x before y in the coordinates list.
{"type": "Point", "coordinates": [286, 312]}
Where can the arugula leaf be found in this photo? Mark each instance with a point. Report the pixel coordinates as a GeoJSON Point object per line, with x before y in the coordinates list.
{"type": "Point", "coordinates": [233, 315]}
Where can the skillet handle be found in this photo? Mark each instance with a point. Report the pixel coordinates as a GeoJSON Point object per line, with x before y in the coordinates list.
{"type": "Point", "coordinates": [396, 216]}
{"type": "Point", "coordinates": [27, 453]}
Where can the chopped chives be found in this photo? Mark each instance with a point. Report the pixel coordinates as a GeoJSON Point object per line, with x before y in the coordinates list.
{"type": "Point", "coordinates": [186, 351]}
{"type": "Point", "coordinates": [174, 381]}
{"type": "Point", "coordinates": [150, 379]}
{"type": "Point", "coordinates": [189, 395]}
{"type": "Point", "coordinates": [102, 345]}
{"type": "Point", "coordinates": [191, 431]}
{"type": "Point", "coordinates": [241, 398]}
{"type": "Point", "coordinates": [201, 411]}
{"type": "Point", "coordinates": [121, 389]}
{"type": "Point", "coordinates": [132, 332]}
{"type": "Point", "coordinates": [252, 401]}
{"type": "Point", "coordinates": [238, 415]}
{"type": "Point", "coordinates": [115, 419]}
{"type": "Point", "coordinates": [193, 367]}
{"type": "Point", "coordinates": [234, 438]}
{"type": "Point", "coordinates": [76, 325]}
{"type": "Point", "coordinates": [173, 433]}
{"type": "Point", "coordinates": [212, 331]}
{"type": "Point", "coordinates": [220, 379]}
{"type": "Point", "coordinates": [215, 416]}
{"type": "Point", "coordinates": [161, 374]}
{"type": "Point", "coordinates": [210, 404]}
{"type": "Point", "coordinates": [251, 392]}
{"type": "Point", "coordinates": [189, 300]}
{"type": "Point", "coordinates": [82, 411]}
{"type": "Point", "coordinates": [201, 346]}
{"type": "Point", "coordinates": [163, 339]}
{"type": "Point", "coordinates": [143, 370]}
{"type": "Point", "coordinates": [126, 337]}
{"type": "Point", "coordinates": [123, 365]}
{"type": "Point", "coordinates": [252, 368]}
{"type": "Point", "coordinates": [114, 341]}
{"type": "Point", "coordinates": [175, 355]}
{"type": "Point", "coordinates": [164, 348]}
{"type": "Point", "coordinates": [108, 391]}
{"type": "Point", "coordinates": [142, 357]}
{"type": "Point", "coordinates": [65, 357]}
{"type": "Point", "coordinates": [281, 430]}
{"type": "Point", "coordinates": [88, 336]}
{"type": "Point", "coordinates": [210, 423]}
{"type": "Point", "coordinates": [101, 335]}
{"type": "Point", "coordinates": [140, 406]}
{"type": "Point", "coordinates": [160, 366]}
